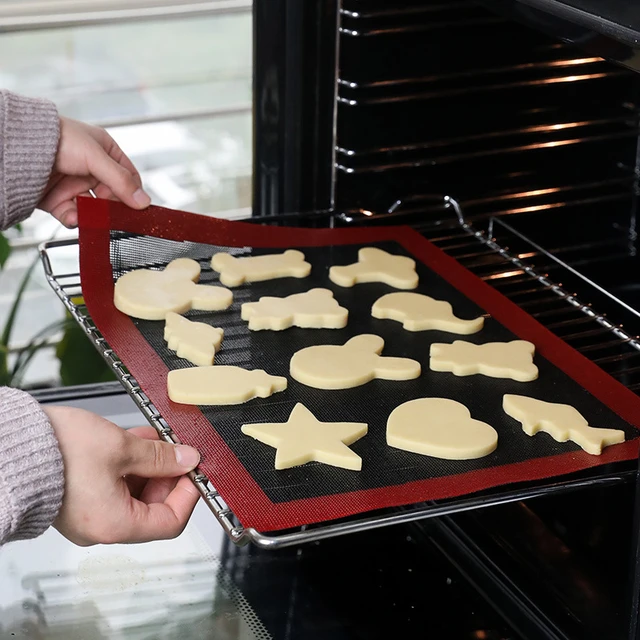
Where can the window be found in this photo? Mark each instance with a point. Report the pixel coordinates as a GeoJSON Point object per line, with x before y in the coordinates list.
{"type": "Point", "coordinates": [175, 93]}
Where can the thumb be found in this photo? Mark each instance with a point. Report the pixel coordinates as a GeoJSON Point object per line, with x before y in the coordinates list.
{"type": "Point", "coordinates": [156, 459]}
{"type": "Point", "coordinates": [124, 184]}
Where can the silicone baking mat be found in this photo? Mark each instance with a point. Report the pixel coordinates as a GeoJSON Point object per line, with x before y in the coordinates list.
{"type": "Point", "coordinates": [114, 239]}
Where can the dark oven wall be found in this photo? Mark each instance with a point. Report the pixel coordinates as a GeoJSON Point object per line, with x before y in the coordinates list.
{"type": "Point", "coordinates": [450, 98]}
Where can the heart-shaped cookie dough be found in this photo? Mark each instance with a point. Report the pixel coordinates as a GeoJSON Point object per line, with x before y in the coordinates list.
{"type": "Point", "coordinates": [440, 428]}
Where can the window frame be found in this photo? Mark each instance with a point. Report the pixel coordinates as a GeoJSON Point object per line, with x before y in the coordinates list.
{"type": "Point", "coordinates": [47, 14]}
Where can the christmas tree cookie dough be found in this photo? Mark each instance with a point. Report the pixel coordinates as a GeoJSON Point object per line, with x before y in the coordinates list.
{"type": "Point", "coordinates": [150, 295]}
{"type": "Point", "coordinates": [350, 365]}
{"type": "Point", "coordinates": [221, 385]}
{"type": "Point", "coordinates": [512, 360]}
{"type": "Point", "coordinates": [418, 312]}
{"type": "Point", "coordinates": [440, 428]}
{"type": "Point", "coordinates": [376, 265]}
{"type": "Point", "coordinates": [303, 439]}
{"type": "Point", "coordinates": [561, 421]}
{"type": "Point", "coordinates": [236, 271]}
{"type": "Point", "coordinates": [314, 309]}
{"type": "Point", "coordinates": [197, 342]}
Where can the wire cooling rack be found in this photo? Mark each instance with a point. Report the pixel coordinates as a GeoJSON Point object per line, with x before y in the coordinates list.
{"type": "Point", "coordinates": [57, 256]}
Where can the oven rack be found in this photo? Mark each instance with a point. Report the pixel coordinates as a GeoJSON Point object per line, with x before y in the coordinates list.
{"type": "Point", "coordinates": [471, 247]}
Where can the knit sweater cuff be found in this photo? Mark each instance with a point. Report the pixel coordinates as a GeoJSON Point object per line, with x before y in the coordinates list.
{"type": "Point", "coordinates": [29, 135]}
{"type": "Point", "coordinates": [31, 468]}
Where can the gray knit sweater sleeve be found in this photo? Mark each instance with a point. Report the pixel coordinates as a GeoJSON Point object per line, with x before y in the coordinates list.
{"type": "Point", "coordinates": [29, 133]}
{"type": "Point", "coordinates": [31, 470]}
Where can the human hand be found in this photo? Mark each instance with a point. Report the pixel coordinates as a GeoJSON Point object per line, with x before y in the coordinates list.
{"type": "Point", "coordinates": [88, 159]}
{"type": "Point", "coordinates": [120, 486]}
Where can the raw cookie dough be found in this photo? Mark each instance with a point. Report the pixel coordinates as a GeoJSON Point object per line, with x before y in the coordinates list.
{"type": "Point", "coordinates": [418, 312]}
{"type": "Point", "coordinates": [351, 365]}
{"type": "Point", "coordinates": [512, 360]}
{"type": "Point", "coordinates": [376, 265]}
{"type": "Point", "coordinates": [440, 428]}
{"type": "Point", "coordinates": [197, 342]}
{"type": "Point", "coordinates": [220, 385]}
{"type": "Point", "coordinates": [303, 438]}
{"type": "Point", "coordinates": [315, 309]}
{"type": "Point", "coordinates": [150, 295]}
{"type": "Point", "coordinates": [235, 271]}
{"type": "Point", "coordinates": [561, 421]}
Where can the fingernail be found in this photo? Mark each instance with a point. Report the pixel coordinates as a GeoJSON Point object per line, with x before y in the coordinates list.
{"type": "Point", "coordinates": [142, 198]}
{"type": "Point", "coordinates": [187, 457]}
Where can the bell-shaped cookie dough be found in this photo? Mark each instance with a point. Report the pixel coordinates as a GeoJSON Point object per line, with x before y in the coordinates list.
{"type": "Point", "coordinates": [303, 439]}
{"type": "Point", "coordinates": [440, 428]}
{"type": "Point", "coordinates": [376, 265]}
{"type": "Point", "coordinates": [236, 271]}
{"type": "Point", "coordinates": [561, 421]}
{"type": "Point", "coordinates": [221, 384]}
{"type": "Point", "coordinates": [314, 309]}
{"type": "Point", "coordinates": [150, 295]}
{"type": "Point", "coordinates": [512, 360]}
{"type": "Point", "coordinates": [418, 312]}
{"type": "Point", "coordinates": [197, 342]}
{"type": "Point", "coordinates": [350, 365]}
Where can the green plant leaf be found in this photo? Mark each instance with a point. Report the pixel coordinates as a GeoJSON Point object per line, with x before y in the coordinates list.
{"type": "Point", "coordinates": [38, 342]}
{"type": "Point", "coordinates": [8, 327]}
{"type": "Point", "coordinates": [5, 250]}
{"type": "Point", "coordinates": [80, 362]}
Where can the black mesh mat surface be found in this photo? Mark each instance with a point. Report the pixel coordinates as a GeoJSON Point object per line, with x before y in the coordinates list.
{"type": "Point", "coordinates": [371, 403]}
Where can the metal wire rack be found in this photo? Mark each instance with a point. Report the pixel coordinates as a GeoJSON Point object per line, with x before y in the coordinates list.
{"type": "Point", "coordinates": [562, 312]}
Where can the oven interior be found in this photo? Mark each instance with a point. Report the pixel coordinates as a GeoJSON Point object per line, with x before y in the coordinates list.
{"type": "Point", "coordinates": [536, 140]}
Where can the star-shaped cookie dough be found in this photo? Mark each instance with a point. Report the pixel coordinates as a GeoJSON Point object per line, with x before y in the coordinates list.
{"type": "Point", "coordinates": [303, 438]}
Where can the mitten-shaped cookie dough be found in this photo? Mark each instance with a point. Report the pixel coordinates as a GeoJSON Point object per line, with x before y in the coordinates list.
{"type": "Point", "coordinates": [350, 365]}
{"type": "Point", "coordinates": [376, 265]}
{"type": "Point", "coordinates": [150, 295]}
{"type": "Point", "coordinates": [235, 271]}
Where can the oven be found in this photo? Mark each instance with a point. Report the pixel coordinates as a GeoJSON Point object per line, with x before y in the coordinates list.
{"type": "Point", "coordinates": [507, 133]}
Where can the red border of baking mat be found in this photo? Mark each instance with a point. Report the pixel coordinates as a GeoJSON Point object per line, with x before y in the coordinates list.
{"type": "Point", "coordinates": [222, 467]}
